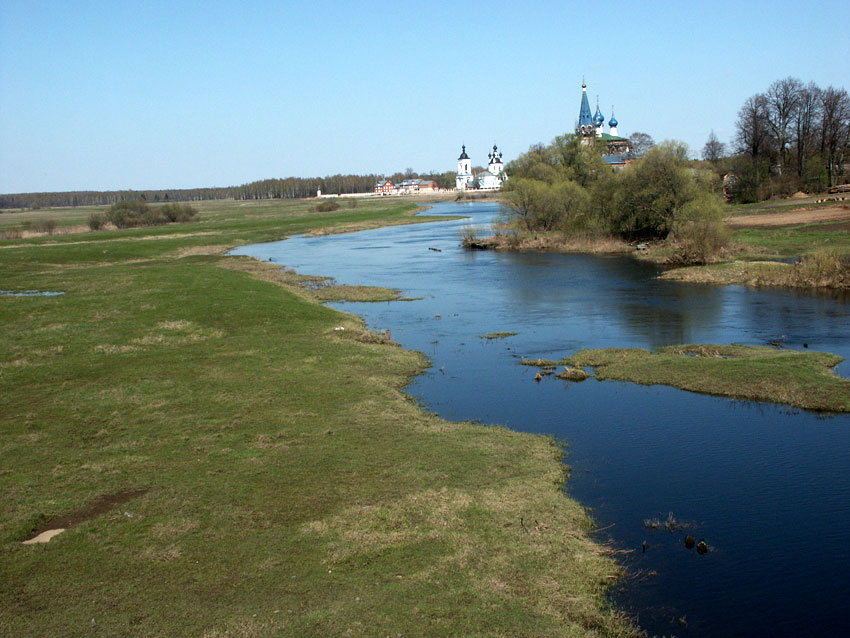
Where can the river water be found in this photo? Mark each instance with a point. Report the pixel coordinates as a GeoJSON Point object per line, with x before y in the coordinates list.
{"type": "Point", "coordinates": [766, 486]}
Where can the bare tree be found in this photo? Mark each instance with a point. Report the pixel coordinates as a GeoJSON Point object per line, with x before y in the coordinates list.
{"type": "Point", "coordinates": [714, 149]}
{"type": "Point", "coordinates": [781, 101]}
{"type": "Point", "coordinates": [640, 143]}
{"type": "Point", "coordinates": [835, 129]}
{"type": "Point", "coordinates": [751, 137]}
{"type": "Point", "coordinates": [805, 121]}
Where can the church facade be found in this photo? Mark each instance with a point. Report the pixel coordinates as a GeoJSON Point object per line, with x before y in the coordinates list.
{"type": "Point", "coordinates": [491, 179]}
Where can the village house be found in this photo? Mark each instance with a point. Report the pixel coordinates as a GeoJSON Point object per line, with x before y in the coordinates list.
{"type": "Point", "coordinates": [385, 187]}
{"type": "Point", "coordinates": [406, 187]}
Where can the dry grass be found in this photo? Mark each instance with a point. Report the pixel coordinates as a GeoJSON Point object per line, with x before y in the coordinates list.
{"type": "Point", "coordinates": [321, 289]}
{"type": "Point", "coordinates": [190, 251]}
{"type": "Point", "coordinates": [821, 270]}
{"type": "Point", "coordinates": [356, 293]}
{"type": "Point", "coordinates": [548, 243]}
{"type": "Point", "coordinates": [572, 374]}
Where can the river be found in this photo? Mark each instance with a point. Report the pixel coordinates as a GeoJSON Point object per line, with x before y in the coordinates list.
{"type": "Point", "coordinates": [766, 486]}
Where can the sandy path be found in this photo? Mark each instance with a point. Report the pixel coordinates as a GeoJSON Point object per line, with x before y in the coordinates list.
{"type": "Point", "coordinates": [832, 214]}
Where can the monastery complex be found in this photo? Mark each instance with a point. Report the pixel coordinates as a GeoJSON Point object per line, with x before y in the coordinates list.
{"type": "Point", "coordinates": [591, 126]}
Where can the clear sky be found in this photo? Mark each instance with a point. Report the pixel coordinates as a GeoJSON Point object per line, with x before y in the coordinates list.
{"type": "Point", "coordinates": [180, 94]}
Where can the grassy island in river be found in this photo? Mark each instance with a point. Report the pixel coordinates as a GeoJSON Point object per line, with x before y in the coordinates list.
{"type": "Point", "coordinates": [229, 462]}
{"type": "Point", "coordinates": [802, 379]}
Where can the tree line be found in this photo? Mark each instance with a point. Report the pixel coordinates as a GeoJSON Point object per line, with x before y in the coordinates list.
{"type": "Point", "coordinates": [283, 188]}
{"type": "Point", "coordinates": [793, 136]}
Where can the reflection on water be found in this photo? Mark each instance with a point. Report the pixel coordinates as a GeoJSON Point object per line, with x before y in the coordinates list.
{"type": "Point", "coordinates": [765, 485]}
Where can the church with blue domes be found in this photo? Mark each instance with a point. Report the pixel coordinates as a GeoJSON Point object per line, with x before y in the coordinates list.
{"type": "Point", "coordinates": [615, 149]}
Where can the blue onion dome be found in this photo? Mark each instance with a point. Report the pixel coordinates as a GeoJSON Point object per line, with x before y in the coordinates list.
{"type": "Point", "coordinates": [613, 121]}
{"type": "Point", "coordinates": [598, 119]}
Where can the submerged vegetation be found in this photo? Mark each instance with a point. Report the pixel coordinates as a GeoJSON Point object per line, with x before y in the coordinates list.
{"type": "Point", "coordinates": [282, 482]}
{"type": "Point", "coordinates": [801, 379]}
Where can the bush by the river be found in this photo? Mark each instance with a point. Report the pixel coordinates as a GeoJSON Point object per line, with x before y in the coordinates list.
{"type": "Point", "coordinates": [140, 213]}
{"type": "Point", "coordinates": [567, 187]}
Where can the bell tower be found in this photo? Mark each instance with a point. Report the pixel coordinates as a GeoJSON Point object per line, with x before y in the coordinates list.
{"type": "Point", "coordinates": [464, 170]}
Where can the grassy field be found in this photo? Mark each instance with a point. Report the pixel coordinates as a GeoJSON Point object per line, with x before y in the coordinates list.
{"type": "Point", "coordinates": [799, 378]}
{"type": "Point", "coordinates": [823, 252]}
{"type": "Point", "coordinates": [232, 458]}
{"type": "Point", "coordinates": [782, 243]}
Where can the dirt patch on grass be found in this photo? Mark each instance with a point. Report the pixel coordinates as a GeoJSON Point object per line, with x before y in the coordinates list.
{"type": "Point", "coordinates": [790, 218]}
{"type": "Point", "coordinates": [201, 250]}
{"type": "Point", "coordinates": [99, 506]}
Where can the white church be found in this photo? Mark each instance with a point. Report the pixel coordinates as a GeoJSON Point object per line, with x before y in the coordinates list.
{"type": "Point", "coordinates": [491, 179]}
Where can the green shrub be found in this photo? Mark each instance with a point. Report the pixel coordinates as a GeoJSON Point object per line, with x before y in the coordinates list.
{"type": "Point", "coordinates": [139, 213]}
{"type": "Point", "coordinates": [327, 205]}
{"type": "Point", "coordinates": [97, 221]}
{"type": "Point", "coordinates": [153, 217]}
{"type": "Point", "coordinates": [127, 214]}
{"type": "Point", "coordinates": [179, 212]}
{"type": "Point", "coordinates": [698, 231]}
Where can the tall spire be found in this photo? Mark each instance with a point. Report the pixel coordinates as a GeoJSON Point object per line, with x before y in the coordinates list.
{"type": "Point", "coordinates": [585, 117]}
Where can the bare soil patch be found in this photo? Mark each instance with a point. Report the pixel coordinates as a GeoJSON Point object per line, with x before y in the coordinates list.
{"type": "Point", "coordinates": [99, 506]}
{"type": "Point", "coordinates": [839, 214]}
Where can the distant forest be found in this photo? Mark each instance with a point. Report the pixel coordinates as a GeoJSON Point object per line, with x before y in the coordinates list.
{"type": "Point", "coordinates": [285, 188]}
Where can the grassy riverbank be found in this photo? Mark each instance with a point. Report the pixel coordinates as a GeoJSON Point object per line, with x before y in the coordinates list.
{"type": "Point", "coordinates": [817, 234]}
{"type": "Point", "coordinates": [265, 472]}
{"type": "Point", "coordinates": [801, 379]}
{"type": "Point", "coordinates": [822, 248]}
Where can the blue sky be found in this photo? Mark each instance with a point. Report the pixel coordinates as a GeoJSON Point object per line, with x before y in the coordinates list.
{"type": "Point", "coordinates": [113, 95]}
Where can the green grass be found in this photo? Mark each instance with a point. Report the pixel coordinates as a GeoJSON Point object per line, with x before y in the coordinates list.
{"type": "Point", "coordinates": [796, 241]}
{"type": "Point", "coordinates": [823, 251]}
{"type": "Point", "coordinates": [802, 379]}
{"type": "Point", "coordinates": [293, 488]}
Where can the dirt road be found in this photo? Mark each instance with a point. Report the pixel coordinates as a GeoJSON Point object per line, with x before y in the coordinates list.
{"type": "Point", "coordinates": [838, 215]}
